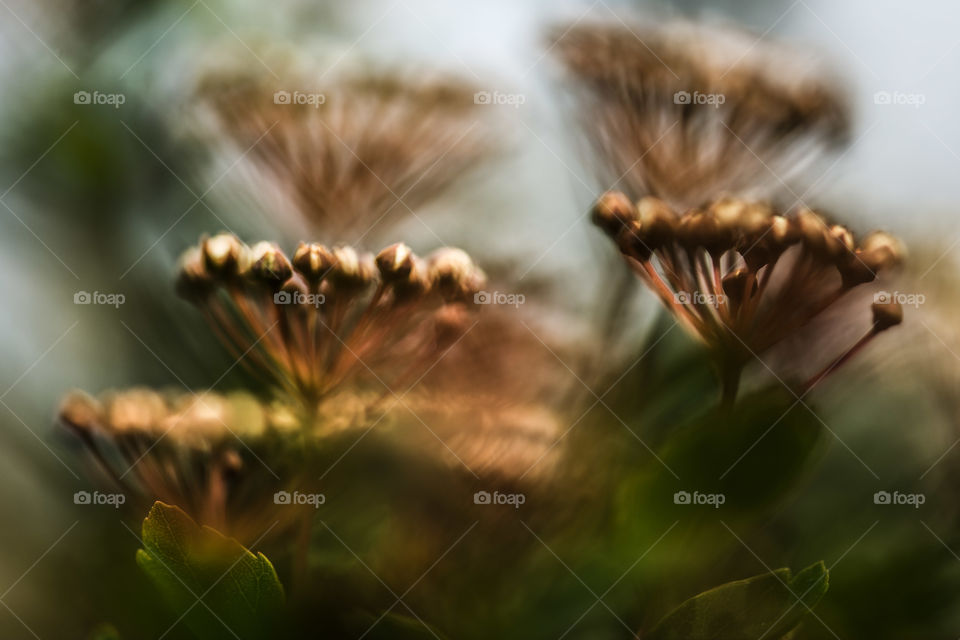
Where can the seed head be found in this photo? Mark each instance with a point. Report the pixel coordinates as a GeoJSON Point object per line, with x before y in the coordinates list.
{"type": "Point", "coordinates": [713, 268]}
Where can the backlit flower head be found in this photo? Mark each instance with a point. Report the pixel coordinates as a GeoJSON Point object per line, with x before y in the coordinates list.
{"type": "Point", "coordinates": [356, 151]}
{"type": "Point", "coordinates": [687, 112]}
{"type": "Point", "coordinates": [741, 277]}
{"type": "Point", "coordinates": [188, 449]}
{"type": "Point", "coordinates": [331, 314]}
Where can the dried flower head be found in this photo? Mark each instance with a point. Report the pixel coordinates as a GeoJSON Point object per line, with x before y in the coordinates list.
{"type": "Point", "coordinates": [739, 276]}
{"type": "Point", "coordinates": [365, 148]}
{"type": "Point", "coordinates": [184, 448]}
{"type": "Point", "coordinates": [331, 314]}
{"type": "Point", "coordinates": [687, 112]}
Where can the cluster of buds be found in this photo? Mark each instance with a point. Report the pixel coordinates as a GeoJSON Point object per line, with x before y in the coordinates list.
{"type": "Point", "coordinates": [329, 315]}
{"type": "Point", "coordinates": [741, 277]}
{"type": "Point", "coordinates": [183, 448]}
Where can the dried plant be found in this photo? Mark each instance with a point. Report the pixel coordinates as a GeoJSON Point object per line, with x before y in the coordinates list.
{"type": "Point", "coordinates": [331, 315]}
{"type": "Point", "coordinates": [742, 278]}
{"type": "Point", "coordinates": [433, 414]}
{"type": "Point", "coordinates": [368, 148]}
{"type": "Point", "coordinates": [188, 449]}
{"type": "Point", "coordinates": [687, 112]}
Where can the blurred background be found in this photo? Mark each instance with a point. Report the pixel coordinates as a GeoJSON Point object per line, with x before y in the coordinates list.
{"type": "Point", "coordinates": [104, 197]}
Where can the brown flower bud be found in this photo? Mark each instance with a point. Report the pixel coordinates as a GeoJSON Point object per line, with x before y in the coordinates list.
{"type": "Point", "coordinates": [352, 269]}
{"type": "Point", "coordinates": [813, 230]}
{"type": "Point", "coordinates": [729, 213]}
{"type": "Point", "coordinates": [782, 232]}
{"type": "Point", "coordinates": [269, 265]}
{"type": "Point", "coordinates": [136, 410]}
{"type": "Point", "coordinates": [193, 281]}
{"type": "Point", "coordinates": [395, 262]}
{"type": "Point", "coordinates": [840, 240]}
{"type": "Point", "coordinates": [612, 210]}
{"type": "Point", "coordinates": [631, 242]}
{"type": "Point", "coordinates": [453, 272]}
{"type": "Point", "coordinates": [658, 221]}
{"type": "Point", "coordinates": [886, 315]}
{"type": "Point", "coordinates": [755, 219]}
{"type": "Point", "coordinates": [80, 411]}
{"type": "Point", "coordinates": [313, 261]}
{"type": "Point", "coordinates": [882, 251]}
{"type": "Point", "coordinates": [222, 254]}
{"type": "Point", "coordinates": [698, 229]}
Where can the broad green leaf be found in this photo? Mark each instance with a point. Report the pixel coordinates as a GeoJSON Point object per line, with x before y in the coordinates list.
{"type": "Point", "coordinates": [221, 588]}
{"type": "Point", "coordinates": [768, 606]}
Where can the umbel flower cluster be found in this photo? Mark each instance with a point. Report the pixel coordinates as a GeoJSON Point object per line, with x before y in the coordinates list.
{"type": "Point", "coordinates": [330, 315]}
{"type": "Point", "coordinates": [740, 276]}
{"type": "Point", "coordinates": [686, 111]}
{"type": "Point", "coordinates": [182, 448]}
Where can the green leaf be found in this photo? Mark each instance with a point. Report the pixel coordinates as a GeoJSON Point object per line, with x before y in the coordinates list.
{"type": "Point", "coordinates": [768, 606]}
{"type": "Point", "coordinates": [220, 587]}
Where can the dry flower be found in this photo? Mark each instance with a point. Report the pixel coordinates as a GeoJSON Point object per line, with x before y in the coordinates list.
{"type": "Point", "coordinates": [368, 147]}
{"type": "Point", "coordinates": [687, 112]}
{"type": "Point", "coordinates": [331, 314]}
{"type": "Point", "coordinates": [741, 277]}
{"type": "Point", "coordinates": [187, 449]}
